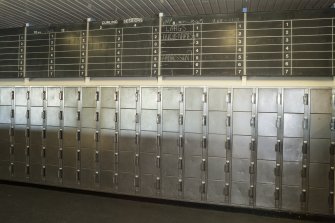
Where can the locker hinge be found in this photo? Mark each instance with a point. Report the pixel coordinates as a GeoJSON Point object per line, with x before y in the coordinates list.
{"type": "Point", "coordinates": [43, 171]}
{"type": "Point", "coordinates": [228, 98]}
{"type": "Point", "coordinates": [304, 171]}
{"type": "Point", "coordinates": [227, 166]}
{"type": "Point", "coordinates": [44, 133]}
{"type": "Point", "coordinates": [181, 97]}
{"type": "Point", "coordinates": [253, 121]}
{"type": "Point", "coordinates": [181, 119]}
{"type": "Point", "coordinates": [303, 196]}
{"type": "Point", "coordinates": [43, 152]}
{"type": "Point", "coordinates": [180, 185]}
{"type": "Point", "coordinates": [116, 117]}
{"type": "Point", "coordinates": [158, 161]}
{"type": "Point", "coordinates": [252, 168]}
{"type": "Point", "coordinates": [204, 142]}
{"type": "Point", "coordinates": [11, 149]}
{"type": "Point", "coordinates": [204, 120]}
{"type": "Point", "coordinates": [44, 95]}
{"type": "Point", "coordinates": [78, 155]}
{"type": "Point", "coordinates": [28, 114]}
{"type": "Point", "coordinates": [78, 175]}
{"type": "Point", "coordinates": [12, 95]}
{"type": "Point", "coordinates": [60, 173]}
{"type": "Point", "coordinates": [277, 170]}
{"type": "Point", "coordinates": [203, 164]}
{"type": "Point", "coordinates": [12, 113]}
{"type": "Point", "coordinates": [136, 96]}
{"type": "Point", "coordinates": [227, 144]}
{"type": "Point", "coordinates": [11, 169]}
{"type": "Point", "coordinates": [252, 145]}
{"type": "Point", "coordinates": [331, 200]}
{"type": "Point", "coordinates": [137, 118]}
{"type": "Point", "coordinates": [228, 120]}
{"type": "Point", "coordinates": [27, 169]}
{"type": "Point", "coordinates": [44, 114]}
{"type": "Point", "coordinates": [28, 95]}
{"type": "Point", "coordinates": [96, 177]}
{"type": "Point", "coordinates": [304, 147]}
{"type": "Point", "coordinates": [251, 191]}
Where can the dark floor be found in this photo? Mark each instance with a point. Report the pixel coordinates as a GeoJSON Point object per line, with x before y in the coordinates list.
{"type": "Point", "coordinates": [29, 204]}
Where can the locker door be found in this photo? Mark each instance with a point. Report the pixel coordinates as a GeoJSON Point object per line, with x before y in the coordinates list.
{"type": "Point", "coordinates": [36, 96]}
{"type": "Point", "coordinates": [149, 98]}
{"type": "Point", "coordinates": [5, 117]}
{"type": "Point", "coordinates": [293, 125]}
{"type": "Point", "coordinates": [171, 98]}
{"type": "Point", "coordinates": [107, 118]}
{"type": "Point", "coordinates": [70, 116]}
{"type": "Point", "coordinates": [267, 124]}
{"type": "Point", "coordinates": [242, 100]}
{"type": "Point", "coordinates": [267, 100]}
{"type": "Point", "coordinates": [192, 189]}
{"type": "Point", "coordinates": [264, 197]}
{"type": "Point", "coordinates": [291, 198]}
{"type": "Point", "coordinates": [319, 150]}
{"type": "Point", "coordinates": [5, 96]}
{"type": "Point", "coordinates": [241, 123]}
{"type": "Point", "coordinates": [128, 118]}
{"type": "Point", "coordinates": [193, 99]}
{"type": "Point", "coordinates": [127, 97]}
{"type": "Point", "coordinates": [320, 125]}
{"type": "Point", "coordinates": [293, 100]}
{"type": "Point", "coordinates": [89, 97]}
{"type": "Point", "coordinates": [216, 145]}
{"type": "Point", "coordinates": [239, 193]}
{"type": "Point", "coordinates": [149, 120]}
{"type": "Point", "coordinates": [318, 201]}
{"type": "Point", "coordinates": [170, 143]}
{"type": "Point", "coordinates": [193, 121]}
{"type": "Point", "coordinates": [53, 116]}
{"type": "Point", "coordinates": [169, 165]}
{"type": "Point", "coordinates": [107, 97]}
{"type": "Point", "coordinates": [321, 100]}
{"type": "Point", "coordinates": [88, 118]}
{"type": "Point", "coordinates": [170, 187]}
{"type": "Point", "coordinates": [53, 99]}
{"type": "Point", "coordinates": [170, 120]}
{"type": "Point", "coordinates": [36, 116]}
{"type": "Point", "coordinates": [70, 97]}
{"type": "Point", "coordinates": [21, 96]}
{"type": "Point", "coordinates": [107, 139]}
{"type": "Point", "coordinates": [148, 142]}
{"type": "Point", "coordinates": [217, 122]}
{"type": "Point", "coordinates": [217, 99]}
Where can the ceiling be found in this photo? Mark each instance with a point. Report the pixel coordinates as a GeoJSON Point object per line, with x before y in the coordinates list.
{"type": "Point", "coordinates": [15, 13]}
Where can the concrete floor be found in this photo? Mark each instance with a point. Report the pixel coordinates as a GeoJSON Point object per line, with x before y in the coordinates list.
{"type": "Point", "coordinates": [29, 204]}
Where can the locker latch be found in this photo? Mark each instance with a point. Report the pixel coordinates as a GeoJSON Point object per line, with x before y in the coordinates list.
{"type": "Point", "coordinates": [332, 148]}
{"type": "Point", "coordinates": [331, 199]}
{"type": "Point", "coordinates": [27, 169]}
{"type": "Point", "coordinates": [115, 178]}
{"type": "Point", "coordinates": [228, 120]}
{"type": "Point", "coordinates": [60, 134]}
{"type": "Point", "coordinates": [277, 170]}
{"type": "Point", "coordinates": [159, 96]}
{"type": "Point", "coordinates": [60, 173]}
{"type": "Point", "coordinates": [96, 116]}
{"type": "Point", "coordinates": [78, 115]}
{"type": "Point", "coordinates": [78, 135]}
{"type": "Point", "coordinates": [253, 121]}
{"type": "Point", "coordinates": [158, 183]}
{"type": "Point", "coordinates": [204, 120]}
{"type": "Point", "coordinates": [97, 96]}
{"type": "Point", "coordinates": [278, 146]}
{"type": "Point", "coordinates": [180, 163]}
{"type": "Point", "coordinates": [228, 97]}
{"type": "Point", "coordinates": [204, 142]}
{"type": "Point", "coordinates": [180, 141]}
{"type": "Point", "coordinates": [304, 171]}
{"type": "Point", "coordinates": [61, 95]}
{"type": "Point", "coordinates": [303, 196]}
{"type": "Point", "coordinates": [116, 157]}
{"type": "Point", "coordinates": [60, 153]}
{"type": "Point", "coordinates": [116, 137]}
{"type": "Point", "coordinates": [251, 191]}
{"type": "Point", "coordinates": [158, 161]}
{"type": "Point", "coordinates": [305, 99]}
{"type": "Point", "coordinates": [137, 159]}
{"type": "Point", "coordinates": [116, 117]}
{"type": "Point", "coordinates": [252, 145]}
{"type": "Point", "coordinates": [305, 123]}
{"type": "Point", "coordinates": [331, 173]}
{"type": "Point", "coordinates": [204, 97]}
{"type": "Point", "coordinates": [158, 140]}
{"type": "Point", "coordinates": [203, 187]}
{"type": "Point", "coordinates": [43, 171]}
{"type": "Point", "coordinates": [78, 175]}
{"type": "Point", "coordinates": [304, 147]}
{"type": "Point", "coordinates": [97, 156]}
{"type": "Point", "coordinates": [227, 166]}
{"type": "Point", "coordinates": [44, 133]}
{"type": "Point", "coordinates": [78, 155]}
{"type": "Point", "coordinates": [278, 122]}
{"type": "Point", "coordinates": [137, 181]}
{"type": "Point", "coordinates": [252, 168]}
{"type": "Point", "coordinates": [137, 138]}
{"type": "Point", "coordinates": [227, 144]}
{"type": "Point", "coordinates": [332, 124]}
{"type": "Point", "coordinates": [96, 136]}
{"type": "Point", "coordinates": [27, 151]}
{"type": "Point", "coordinates": [203, 164]}
{"type": "Point", "coordinates": [60, 115]}
{"type": "Point", "coordinates": [116, 96]}
{"type": "Point", "coordinates": [180, 185]}
{"type": "Point", "coordinates": [226, 189]}
{"type": "Point", "coordinates": [277, 193]}
{"type": "Point", "coordinates": [158, 119]}
{"type": "Point", "coordinates": [28, 114]}
{"type": "Point", "coordinates": [181, 119]}
{"type": "Point", "coordinates": [28, 132]}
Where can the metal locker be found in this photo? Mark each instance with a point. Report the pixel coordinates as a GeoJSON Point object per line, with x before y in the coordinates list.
{"type": "Point", "coordinates": [20, 115]}
{"type": "Point", "coordinates": [171, 98]}
{"type": "Point", "coordinates": [266, 148]}
{"type": "Point", "coordinates": [192, 189]}
{"type": "Point", "coordinates": [193, 121]}
{"type": "Point", "coordinates": [4, 132]}
{"type": "Point", "coordinates": [20, 152]}
{"type": "Point", "coordinates": [267, 124]}
{"type": "Point", "coordinates": [36, 135]}
{"type": "Point", "coordinates": [52, 137]}
{"type": "Point", "coordinates": [241, 147]}
{"type": "Point", "coordinates": [292, 149]}
{"type": "Point", "coordinates": [108, 97]}
{"type": "Point", "coordinates": [169, 165]}
{"type": "Point", "coordinates": [267, 100]}
{"type": "Point", "coordinates": [127, 141]}
{"type": "Point", "coordinates": [265, 171]}
{"type": "Point", "coordinates": [70, 97]}
{"type": "Point", "coordinates": [107, 139]}
{"type": "Point", "coordinates": [86, 179]}
{"type": "Point", "coordinates": [216, 145]}
{"type": "Point", "coordinates": [193, 99]}
{"type": "Point", "coordinates": [241, 123]}
{"type": "Point", "coordinates": [149, 98]}
{"type": "Point", "coordinates": [126, 162]}
{"type": "Point", "coordinates": [216, 168]}
{"type": "Point", "coordinates": [321, 100]}
{"type": "Point", "coordinates": [21, 94]}
{"type": "Point", "coordinates": [242, 100]}
{"type": "Point", "coordinates": [89, 97]}
{"type": "Point", "coordinates": [5, 96]}
{"type": "Point", "coordinates": [36, 96]}
{"type": "Point", "coordinates": [319, 150]}
{"type": "Point", "coordinates": [4, 150]}
{"type": "Point", "coordinates": [20, 133]}
{"type": "Point", "coordinates": [70, 157]}
{"type": "Point", "coordinates": [265, 195]}
{"type": "Point", "coordinates": [4, 170]}
{"type": "Point", "coordinates": [170, 120]}
{"type": "Point", "coordinates": [87, 138]}
{"type": "Point", "coordinates": [217, 122]}
{"type": "Point", "coordinates": [170, 143]}
{"type": "Point", "coordinates": [291, 173]}
{"type": "Point", "coordinates": [215, 190]}
{"type": "Point", "coordinates": [293, 100]}
{"type": "Point", "coordinates": [320, 125]}
{"type": "Point", "coordinates": [239, 193]}
{"type": "Point", "coordinates": [51, 155]}
{"type": "Point", "coordinates": [128, 118]}
{"type": "Point", "coordinates": [217, 99]}
{"type": "Point", "coordinates": [126, 183]}
{"type": "Point", "coordinates": [107, 118]}
{"type": "Point", "coordinates": [170, 187]}
{"type": "Point", "coordinates": [5, 117]}
{"type": "Point", "coordinates": [148, 142]}
{"type": "Point", "coordinates": [128, 97]}
{"type": "Point", "coordinates": [88, 118]}
{"type": "Point", "coordinates": [193, 145]}
{"type": "Point", "coordinates": [293, 125]}
{"type": "Point", "coordinates": [147, 163]}
{"type": "Point", "coordinates": [19, 171]}
{"type": "Point", "coordinates": [52, 115]}
{"type": "Point", "coordinates": [106, 160]}
{"type": "Point", "coordinates": [54, 96]}
{"type": "Point", "coordinates": [70, 116]}
{"type": "Point", "coordinates": [35, 175]}
{"type": "Point", "coordinates": [193, 167]}
{"type": "Point", "coordinates": [318, 201]}
{"type": "Point", "coordinates": [319, 175]}
{"type": "Point", "coordinates": [69, 136]}
{"type": "Point", "coordinates": [87, 158]}
{"type": "Point", "coordinates": [149, 120]}
{"type": "Point", "coordinates": [106, 180]}
{"type": "Point", "coordinates": [148, 184]}
{"type": "Point", "coordinates": [51, 175]}
{"type": "Point", "coordinates": [70, 176]}
{"type": "Point", "coordinates": [240, 170]}
{"type": "Point", "coordinates": [291, 198]}
{"type": "Point", "coordinates": [36, 116]}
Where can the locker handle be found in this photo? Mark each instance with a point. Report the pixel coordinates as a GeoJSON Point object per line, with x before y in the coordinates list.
{"type": "Point", "coordinates": [12, 95]}
{"type": "Point", "coordinates": [181, 119]}
{"type": "Point", "coordinates": [159, 96]}
{"type": "Point", "coordinates": [226, 189]}
{"type": "Point", "coordinates": [60, 153]}
{"type": "Point", "coordinates": [116, 96]}
{"type": "Point", "coordinates": [180, 163]}
{"type": "Point", "coordinates": [11, 169]}
{"type": "Point", "coordinates": [43, 171]}
{"type": "Point", "coordinates": [180, 141]}
{"type": "Point", "coordinates": [158, 119]}
{"type": "Point", "coordinates": [303, 196]}
{"type": "Point", "coordinates": [204, 120]}
{"type": "Point", "coordinates": [253, 98]}
{"type": "Point", "coordinates": [279, 99]}
{"type": "Point", "coordinates": [11, 150]}
{"type": "Point", "coordinates": [78, 155]}
{"type": "Point", "coordinates": [78, 115]}
{"type": "Point", "coordinates": [278, 146]}
{"type": "Point", "coordinates": [12, 113]}
{"type": "Point", "coordinates": [204, 142]}
{"type": "Point", "coordinates": [252, 145]}
{"type": "Point", "coordinates": [305, 99]}
{"type": "Point", "coordinates": [158, 183]}
{"type": "Point", "coordinates": [78, 175]}
{"type": "Point", "coordinates": [136, 96]}
{"type": "Point", "coordinates": [137, 138]}
{"type": "Point", "coordinates": [97, 96]}
{"type": "Point", "coordinates": [115, 178]}
{"type": "Point", "coordinates": [331, 173]}
{"type": "Point", "coordinates": [137, 158]}
{"type": "Point", "coordinates": [277, 193]}
{"type": "Point", "coordinates": [332, 148]}
{"type": "Point", "coordinates": [28, 95]}
{"type": "Point", "coordinates": [96, 136]}
{"type": "Point", "coordinates": [116, 117]}
{"type": "Point", "coordinates": [60, 173]}
{"type": "Point", "coordinates": [96, 116]}
{"type": "Point", "coordinates": [27, 132]}
{"type": "Point", "coordinates": [204, 97]}
{"type": "Point", "coordinates": [228, 97]}
{"type": "Point", "coordinates": [78, 95]}
{"type": "Point", "coordinates": [78, 135]}
{"type": "Point", "coordinates": [253, 121]}
{"type": "Point", "coordinates": [137, 118]}
{"type": "Point", "coordinates": [227, 166]}
{"type": "Point", "coordinates": [332, 124]}
{"type": "Point", "coordinates": [305, 123]}
{"type": "Point", "coordinates": [180, 185]}
{"type": "Point", "coordinates": [116, 137]}
{"type": "Point", "coordinates": [44, 133]}
{"type": "Point", "coordinates": [158, 140]}
{"type": "Point", "coordinates": [61, 95]}
{"type": "Point", "coordinates": [304, 171]}
{"type": "Point", "coordinates": [158, 161]}
{"type": "Point", "coordinates": [251, 191]}
{"type": "Point", "coordinates": [27, 151]}
{"type": "Point", "coordinates": [203, 164]}
{"type": "Point", "coordinates": [228, 121]}
{"type": "Point", "coordinates": [44, 114]}
{"type": "Point", "coordinates": [116, 157]}
{"type": "Point", "coordinates": [96, 177]}
{"type": "Point", "coordinates": [252, 168]}
{"type": "Point", "coordinates": [227, 144]}
{"type": "Point", "coordinates": [278, 122]}
{"type": "Point", "coordinates": [43, 152]}
{"type": "Point", "coordinates": [44, 94]}
{"type": "Point", "coordinates": [277, 170]}
{"type": "Point", "coordinates": [304, 147]}
{"type": "Point", "coordinates": [181, 97]}
{"type": "Point", "coordinates": [60, 134]}
{"type": "Point", "coordinates": [331, 199]}
{"type": "Point", "coordinates": [27, 169]}
{"type": "Point", "coordinates": [60, 115]}
{"type": "Point", "coordinates": [28, 114]}
{"type": "Point", "coordinates": [137, 181]}
{"type": "Point", "coordinates": [203, 187]}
